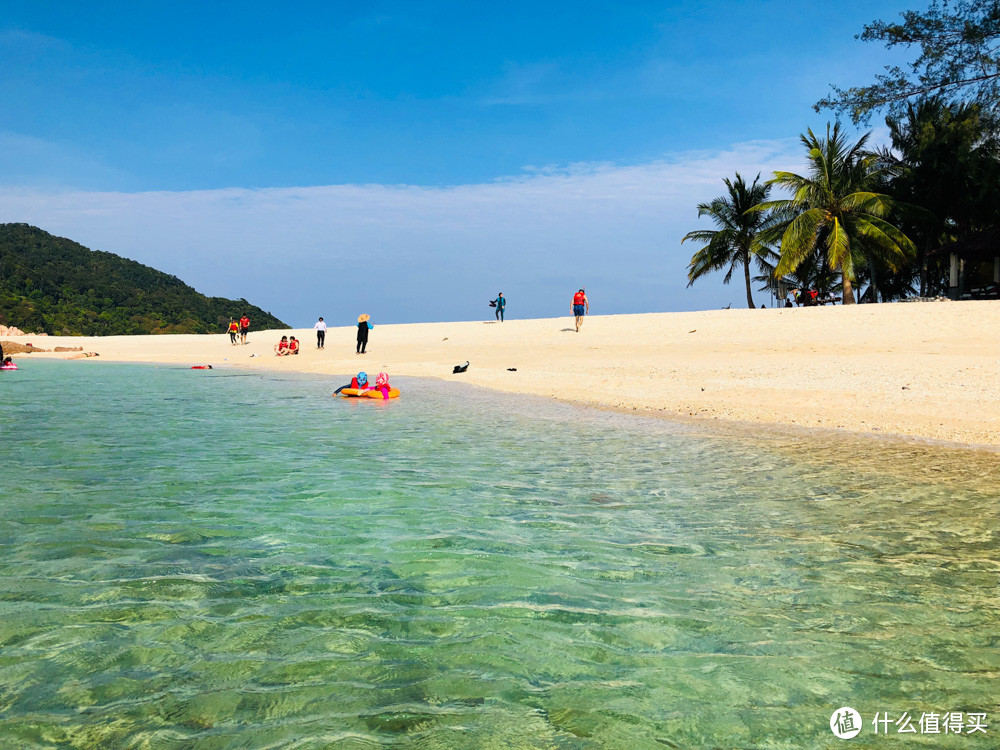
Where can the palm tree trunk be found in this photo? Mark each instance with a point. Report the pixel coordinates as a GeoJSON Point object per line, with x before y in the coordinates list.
{"type": "Point", "coordinates": [874, 279]}
{"type": "Point", "coordinates": [746, 274]}
{"type": "Point", "coordinates": [848, 292]}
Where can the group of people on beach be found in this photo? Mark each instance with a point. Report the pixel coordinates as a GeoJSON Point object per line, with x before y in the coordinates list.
{"type": "Point", "coordinates": [287, 345]}
{"type": "Point", "coordinates": [239, 329]}
{"type": "Point", "coordinates": [290, 345]}
{"type": "Point", "coordinates": [580, 307]}
{"type": "Point", "coordinates": [364, 325]}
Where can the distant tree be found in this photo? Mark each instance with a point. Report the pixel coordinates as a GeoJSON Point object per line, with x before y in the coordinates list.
{"type": "Point", "coordinates": [741, 234]}
{"type": "Point", "coordinates": [837, 211]}
{"type": "Point", "coordinates": [959, 59]}
{"type": "Point", "coordinates": [945, 158]}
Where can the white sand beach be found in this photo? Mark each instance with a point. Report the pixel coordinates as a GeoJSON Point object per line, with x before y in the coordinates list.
{"type": "Point", "coordinates": [927, 370]}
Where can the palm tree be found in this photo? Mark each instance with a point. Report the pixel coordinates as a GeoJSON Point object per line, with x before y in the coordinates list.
{"type": "Point", "coordinates": [837, 211]}
{"type": "Point", "coordinates": [741, 233]}
{"type": "Point", "coordinates": [945, 159]}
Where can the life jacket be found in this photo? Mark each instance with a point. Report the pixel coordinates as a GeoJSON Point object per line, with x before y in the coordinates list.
{"type": "Point", "coordinates": [293, 346]}
{"type": "Point", "coordinates": [579, 298]}
{"type": "Point", "coordinates": [244, 322]}
{"type": "Point", "coordinates": [234, 326]}
{"type": "Point", "coordinates": [282, 345]}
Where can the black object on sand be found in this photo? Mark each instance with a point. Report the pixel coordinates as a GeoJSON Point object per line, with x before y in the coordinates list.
{"type": "Point", "coordinates": [460, 368]}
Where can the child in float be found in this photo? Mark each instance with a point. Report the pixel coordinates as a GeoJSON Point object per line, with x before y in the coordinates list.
{"type": "Point", "coordinates": [281, 348]}
{"type": "Point", "coordinates": [234, 329]}
{"type": "Point", "coordinates": [293, 346]}
{"type": "Point", "coordinates": [360, 381]}
{"type": "Point", "coordinates": [382, 384]}
{"type": "Point", "coordinates": [8, 364]}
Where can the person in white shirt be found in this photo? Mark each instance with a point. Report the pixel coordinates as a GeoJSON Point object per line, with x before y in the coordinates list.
{"type": "Point", "coordinates": [320, 333]}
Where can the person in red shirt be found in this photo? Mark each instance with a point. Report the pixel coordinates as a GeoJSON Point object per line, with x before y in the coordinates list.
{"type": "Point", "coordinates": [580, 307]}
{"type": "Point", "coordinates": [293, 346]}
{"type": "Point", "coordinates": [281, 348]}
{"type": "Point", "coordinates": [234, 329]}
{"type": "Point", "coordinates": [244, 328]}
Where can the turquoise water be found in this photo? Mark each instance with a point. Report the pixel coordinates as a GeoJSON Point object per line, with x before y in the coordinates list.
{"type": "Point", "coordinates": [194, 559]}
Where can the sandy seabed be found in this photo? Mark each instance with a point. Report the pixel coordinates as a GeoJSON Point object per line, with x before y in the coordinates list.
{"type": "Point", "coordinates": [927, 370]}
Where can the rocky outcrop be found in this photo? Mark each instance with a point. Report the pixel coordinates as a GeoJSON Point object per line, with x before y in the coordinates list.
{"type": "Point", "coordinates": [14, 331]}
{"type": "Point", "coordinates": [15, 347]}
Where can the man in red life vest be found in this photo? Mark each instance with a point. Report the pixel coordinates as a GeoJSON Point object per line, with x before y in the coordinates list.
{"type": "Point", "coordinates": [244, 327]}
{"type": "Point", "coordinates": [580, 307]}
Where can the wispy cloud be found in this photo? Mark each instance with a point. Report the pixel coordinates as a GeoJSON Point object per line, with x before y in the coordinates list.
{"type": "Point", "coordinates": [419, 253]}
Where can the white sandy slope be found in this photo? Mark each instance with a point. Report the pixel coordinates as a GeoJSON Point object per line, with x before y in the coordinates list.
{"type": "Point", "coordinates": [929, 370]}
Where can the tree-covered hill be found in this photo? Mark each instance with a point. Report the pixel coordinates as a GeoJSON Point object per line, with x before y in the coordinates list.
{"type": "Point", "coordinates": [53, 285]}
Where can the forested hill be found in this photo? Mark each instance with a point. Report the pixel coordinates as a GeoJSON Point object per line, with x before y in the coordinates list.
{"type": "Point", "coordinates": [53, 285]}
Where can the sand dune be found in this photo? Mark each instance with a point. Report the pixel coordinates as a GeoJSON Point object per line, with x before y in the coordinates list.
{"type": "Point", "coordinates": [929, 370]}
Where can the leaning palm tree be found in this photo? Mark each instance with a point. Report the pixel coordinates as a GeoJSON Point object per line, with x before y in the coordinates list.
{"type": "Point", "coordinates": [741, 233]}
{"type": "Point", "coordinates": [837, 211]}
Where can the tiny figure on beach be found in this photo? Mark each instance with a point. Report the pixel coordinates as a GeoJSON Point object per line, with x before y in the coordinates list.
{"type": "Point", "coordinates": [293, 345]}
{"type": "Point", "coordinates": [320, 333]}
{"type": "Point", "coordinates": [82, 355]}
{"type": "Point", "coordinates": [234, 330]}
{"type": "Point", "coordinates": [581, 307]}
{"type": "Point", "coordinates": [244, 328]}
{"type": "Point", "coordinates": [281, 348]}
{"type": "Point", "coordinates": [363, 327]}
{"type": "Point", "coordinates": [499, 303]}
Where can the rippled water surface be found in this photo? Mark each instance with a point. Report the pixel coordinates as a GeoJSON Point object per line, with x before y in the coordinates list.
{"type": "Point", "coordinates": [229, 560]}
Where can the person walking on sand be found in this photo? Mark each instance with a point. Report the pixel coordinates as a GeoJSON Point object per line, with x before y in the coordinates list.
{"type": "Point", "coordinates": [500, 303]}
{"type": "Point", "coordinates": [581, 307]}
{"type": "Point", "coordinates": [363, 327]}
{"type": "Point", "coordinates": [234, 329]}
{"type": "Point", "coordinates": [244, 328]}
{"type": "Point", "coordinates": [320, 333]}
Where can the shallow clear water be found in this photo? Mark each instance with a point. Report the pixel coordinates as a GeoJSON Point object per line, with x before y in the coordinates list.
{"type": "Point", "coordinates": [229, 560]}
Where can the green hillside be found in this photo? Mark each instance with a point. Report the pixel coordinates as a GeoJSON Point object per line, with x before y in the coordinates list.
{"type": "Point", "coordinates": [53, 285]}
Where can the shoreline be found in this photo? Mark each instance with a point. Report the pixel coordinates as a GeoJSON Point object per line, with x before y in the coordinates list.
{"type": "Point", "coordinates": [929, 371]}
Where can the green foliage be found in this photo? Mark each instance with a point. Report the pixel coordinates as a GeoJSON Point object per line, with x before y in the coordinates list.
{"type": "Point", "coordinates": [741, 233]}
{"type": "Point", "coordinates": [837, 210]}
{"type": "Point", "coordinates": [945, 158]}
{"type": "Point", "coordinates": [959, 58]}
{"type": "Point", "coordinates": [53, 285]}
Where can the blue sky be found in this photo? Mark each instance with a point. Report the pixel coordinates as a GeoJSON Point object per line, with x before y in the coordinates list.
{"type": "Point", "coordinates": [277, 152]}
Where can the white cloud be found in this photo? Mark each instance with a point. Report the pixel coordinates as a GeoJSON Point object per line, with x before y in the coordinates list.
{"type": "Point", "coordinates": [407, 253]}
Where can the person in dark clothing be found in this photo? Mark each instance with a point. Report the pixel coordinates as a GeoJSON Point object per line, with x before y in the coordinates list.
{"type": "Point", "coordinates": [500, 303]}
{"type": "Point", "coordinates": [363, 327]}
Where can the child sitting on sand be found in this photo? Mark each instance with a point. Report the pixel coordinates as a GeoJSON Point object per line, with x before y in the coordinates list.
{"type": "Point", "coordinates": [281, 348]}
{"type": "Point", "coordinates": [293, 346]}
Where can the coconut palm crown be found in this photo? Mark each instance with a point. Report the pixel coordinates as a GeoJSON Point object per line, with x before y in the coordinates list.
{"type": "Point", "coordinates": [740, 234]}
{"type": "Point", "coordinates": [836, 210]}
